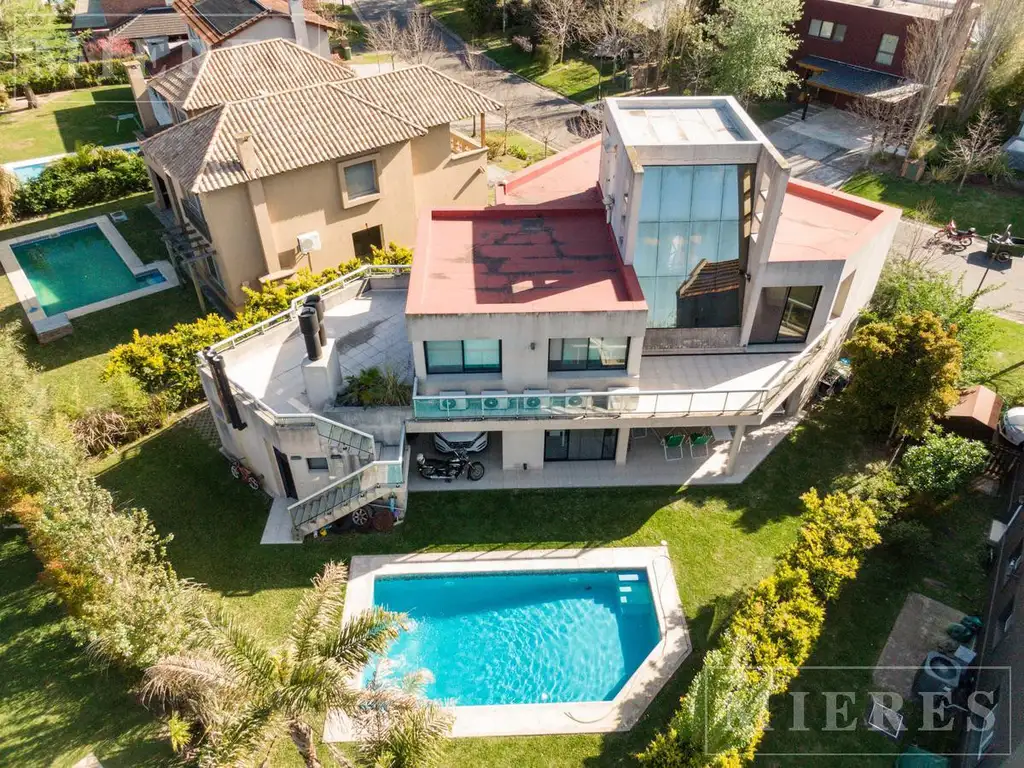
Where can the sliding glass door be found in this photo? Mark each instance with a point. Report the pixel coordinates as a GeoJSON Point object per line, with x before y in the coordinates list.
{"type": "Point", "coordinates": [580, 444]}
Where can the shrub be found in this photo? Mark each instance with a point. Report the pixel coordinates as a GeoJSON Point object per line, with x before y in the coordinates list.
{"type": "Point", "coordinates": [370, 387]}
{"type": "Point", "coordinates": [108, 48]}
{"type": "Point", "coordinates": [518, 152]}
{"type": "Point", "coordinates": [545, 56]}
{"type": "Point", "coordinates": [165, 363]}
{"type": "Point", "coordinates": [5, 100]}
{"type": "Point", "coordinates": [838, 530]}
{"type": "Point", "coordinates": [89, 176]}
{"type": "Point", "coordinates": [65, 76]}
{"type": "Point", "coordinates": [522, 43]}
{"type": "Point", "coordinates": [482, 14]}
{"type": "Point", "coordinates": [942, 464]}
{"type": "Point", "coordinates": [8, 191]}
{"type": "Point", "coordinates": [495, 147]}
{"type": "Point", "coordinates": [909, 538]}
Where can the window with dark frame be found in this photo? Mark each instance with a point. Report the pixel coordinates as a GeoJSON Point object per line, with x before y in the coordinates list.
{"type": "Point", "coordinates": [317, 464]}
{"type": "Point", "coordinates": [784, 314]}
{"type": "Point", "coordinates": [469, 356]}
{"type": "Point", "coordinates": [365, 240]}
{"type": "Point", "coordinates": [827, 30]}
{"type": "Point", "coordinates": [594, 354]}
{"type": "Point", "coordinates": [887, 49]}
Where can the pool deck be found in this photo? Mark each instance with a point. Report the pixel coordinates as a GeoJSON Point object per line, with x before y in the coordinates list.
{"type": "Point", "coordinates": [619, 714]}
{"type": "Point", "coordinates": [48, 328]}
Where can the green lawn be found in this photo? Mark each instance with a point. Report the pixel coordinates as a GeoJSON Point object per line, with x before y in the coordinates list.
{"type": "Point", "coordinates": [1007, 362]}
{"type": "Point", "coordinates": [533, 147]}
{"type": "Point", "coordinates": [55, 705]}
{"type": "Point", "coordinates": [71, 366]}
{"type": "Point", "coordinates": [65, 120]}
{"type": "Point", "coordinates": [987, 209]}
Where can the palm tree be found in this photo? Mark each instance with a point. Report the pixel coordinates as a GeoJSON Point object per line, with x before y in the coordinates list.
{"type": "Point", "coordinates": [243, 696]}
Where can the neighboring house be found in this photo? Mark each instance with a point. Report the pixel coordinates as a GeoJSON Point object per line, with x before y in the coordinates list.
{"type": "Point", "coordinates": [101, 16]}
{"type": "Point", "coordinates": [221, 23]}
{"type": "Point", "coordinates": [276, 159]}
{"type": "Point", "coordinates": [667, 275]}
{"type": "Point", "coordinates": [154, 32]}
{"type": "Point", "coordinates": [856, 48]}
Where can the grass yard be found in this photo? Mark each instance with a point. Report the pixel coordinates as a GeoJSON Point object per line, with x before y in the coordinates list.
{"type": "Point", "coordinates": [986, 208]}
{"type": "Point", "coordinates": [533, 148]}
{"type": "Point", "coordinates": [56, 706]}
{"type": "Point", "coordinates": [762, 112]}
{"type": "Point", "coordinates": [1007, 362]}
{"type": "Point", "coordinates": [71, 366]}
{"type": "Point", "coordinates": [65, 120]}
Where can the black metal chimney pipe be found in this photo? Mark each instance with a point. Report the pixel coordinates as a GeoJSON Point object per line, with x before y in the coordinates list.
{"type": "Point", "coordinates": [310, 327]}
{"type": "Point", "coordinates": [316, 300]}
{"type": "Point", "coordinates": [220, 380]}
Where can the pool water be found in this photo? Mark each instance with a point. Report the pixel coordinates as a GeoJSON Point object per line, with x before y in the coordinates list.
{"type": "Point", "coordinates": [77, 267]}
{"type": "Point", "coordinates": [522, 638]}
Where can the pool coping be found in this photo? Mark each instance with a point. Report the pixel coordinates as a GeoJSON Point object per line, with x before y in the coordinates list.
{"type": "Point", "coordinates": [27, 296]}
{"type": "Point", "coordinates": [619, 714]}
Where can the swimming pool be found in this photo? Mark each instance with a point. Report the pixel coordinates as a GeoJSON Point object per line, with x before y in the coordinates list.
{"type": "Point", "coordinates": [27, 170]}
{"type": "Point", "coordinates": [78, 267]}
{"type": "Point", "coordinates": [522, 638]}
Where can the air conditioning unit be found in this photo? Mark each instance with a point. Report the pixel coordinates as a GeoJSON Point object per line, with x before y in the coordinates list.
{"type": "Point", "coordinates": [494, 399]}
{"type": "Point", "coordinates": [624, 399]}
{"type": "Point", "coordinates": [575, 400]}
{"type": "Point", "coordinates": [452, 400]}
{"type": "Point", "coordinates": [938, 674]}
{"type": "Point", "coordinates": [309, 241]}
{"type": "Point", "coordinates": [536, 400]}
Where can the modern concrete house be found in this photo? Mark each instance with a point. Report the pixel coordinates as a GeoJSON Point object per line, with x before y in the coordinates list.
{"type": "Point", "coordinates": [622, 306]}
{"type": "Point", "coordinates": [273, 159]}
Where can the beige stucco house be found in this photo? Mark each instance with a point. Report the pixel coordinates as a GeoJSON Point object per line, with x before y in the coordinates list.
{"type": "Point", "coordinates": [275, 159]}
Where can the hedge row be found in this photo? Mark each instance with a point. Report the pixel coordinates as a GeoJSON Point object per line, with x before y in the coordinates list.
{"type": "Point", "coordinates": [65, 76]}
{"type": "Point", "coordinates": [166, 362]}
{"type": "Point", "coordinates": [771, 635]}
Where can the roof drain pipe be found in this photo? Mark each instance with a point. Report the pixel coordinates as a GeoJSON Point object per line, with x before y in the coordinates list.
{"type": "Point", "coordinates": [310, 327]}
{"type": "Point", "coordinates": [316, 301]}
{"type": "Point", "coordinates": [220, 380]}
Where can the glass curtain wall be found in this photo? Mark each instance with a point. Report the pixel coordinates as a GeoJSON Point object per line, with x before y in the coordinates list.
{"type": "Point", "coordinates": [687, 214]}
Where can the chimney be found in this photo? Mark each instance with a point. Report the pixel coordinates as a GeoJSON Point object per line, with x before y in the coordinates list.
{"type": "Point", "coordinates": [247, 155]}
{"type": "Point", "coordinates": [317, 303]}
{"type": "Point", "coordinates": [310, 327]}
{"type": "Point", "coordinates": [298, 14]}
{"type": "Point", "coordinates": [142, 103]}
{"type": "Point", "coordinates": [220, 380]}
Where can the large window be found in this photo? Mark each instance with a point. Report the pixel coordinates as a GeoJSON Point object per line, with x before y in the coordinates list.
{"type": "Point", "coordinates": [365, 240]}
{"type": "Point", "coordinates": [588, 354]}
{"type": "Point", "coordinates": [580, 444]}
{"type": "Point", "coordinates": [359, 183]}
{"type": "Point", "coordinates": [469, 356]}
{"type": "Point", "coordinates": [688, 214]}
{"type": "Point", "coordinates": [827, 30]}
{"type": "Point", "coordinates": [784, 315]}
{"type": "Point", "coordinates": [887, 49]}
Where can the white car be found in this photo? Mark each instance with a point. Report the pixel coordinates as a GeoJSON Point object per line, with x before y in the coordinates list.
{"type": "Point", "coordinates": [1011, 426]}
{"type": "Point", "coordinates": [470, 442]}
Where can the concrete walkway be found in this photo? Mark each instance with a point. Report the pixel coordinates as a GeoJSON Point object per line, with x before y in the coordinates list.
{"type": "Point", "coordinates": [535, 110]}
{"type": "Point", "coordinates": [827, 148]}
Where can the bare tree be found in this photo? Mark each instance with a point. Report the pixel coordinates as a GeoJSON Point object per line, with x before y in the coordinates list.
{"type": "Point", "coordinates": [977, 147]}
{"type": "Point", "coordinates": [543, 132]}
{"type": "Point", "coordinates": [511, 115]}
{"type": "Point", "coordinates": [559, 22]}
{"type": "Point", "coordinates": [885, 121]}
{"type": "Point", "coordinates": [996, 32]}
{"type": "Point", "coordinates": [932, 55]}
{"type": "Point", "coordinates": [385, 36]}
{"type": "Point", "coordinates": [419, 41]}
{"type": "Point", "coordinates": [610, 30]}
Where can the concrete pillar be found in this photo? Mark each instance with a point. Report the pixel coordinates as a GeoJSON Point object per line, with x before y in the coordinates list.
{"type": "Point", "coordinates": [734, 448]}
{"type": "Point", "coordinates": [622, 446]}
{"type": "Point", "coordinates": [138, 86]}
{"type": "Point", "coordinates": [796, 398]}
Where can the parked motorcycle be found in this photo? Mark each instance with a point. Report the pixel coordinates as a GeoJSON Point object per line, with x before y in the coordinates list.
{"type": "Point", "coordinates": [449, 469]}
{"type": "Point", "coordinates": [953, 234]}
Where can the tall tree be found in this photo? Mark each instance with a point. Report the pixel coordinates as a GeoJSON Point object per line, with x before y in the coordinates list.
{"type": "Point", "coordinates": [756, 41]}
{"type": "Point", "coordinates": [905, 373]}
{"type": "Point", "coordinates": [995, 34]}
{"type": "Point", "coordinates": [559, 21]}
{"type": "Point", "coordinates": [31, 40]}
{"type": "Point", "coordinates": [244, 696]}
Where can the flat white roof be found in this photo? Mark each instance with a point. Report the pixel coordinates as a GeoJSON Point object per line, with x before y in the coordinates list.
{"type": "Point", "coordinates": [677, 121]}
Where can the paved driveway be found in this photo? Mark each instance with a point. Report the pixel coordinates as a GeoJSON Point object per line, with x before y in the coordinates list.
{"type": "Point", "coordinates": [827, 148]}
{"type": "Point", "coordinates": [535, 110]}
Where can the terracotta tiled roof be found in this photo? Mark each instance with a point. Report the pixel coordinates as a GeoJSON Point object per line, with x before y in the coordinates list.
{"type": "Point", "coordinates": [423, 95]}
{"type": "Point", "coordinates": [211, 35]}
{"type": "Point", "coordinates": [242, 72]}
{"type": "Point", "coordinates": [155, 23]}
{"type": "Point", "coordinates": [290, 130]}
{"type": "Point", "coordinates": [712, 278]}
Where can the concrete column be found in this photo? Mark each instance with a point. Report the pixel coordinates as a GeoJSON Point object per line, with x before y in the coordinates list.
{"type": "Point", "coordinates": [734, 448]}
{"type": "Point", "coordinates": [622, 446]}
{"type": "Point", "coordinates": [796, 398]}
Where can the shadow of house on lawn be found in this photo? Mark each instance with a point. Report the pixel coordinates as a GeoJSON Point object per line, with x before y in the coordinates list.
{"type": "Point", "coordinates": [90, 117]}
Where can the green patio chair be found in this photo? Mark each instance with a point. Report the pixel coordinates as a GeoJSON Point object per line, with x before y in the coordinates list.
{"type": "Point", "coordinates": [699, 441]}
{"type": "Point", "coordinates": [673, 447]}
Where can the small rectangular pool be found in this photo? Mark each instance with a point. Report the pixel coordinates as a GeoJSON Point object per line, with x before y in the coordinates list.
{"type": "Point", "coordinates": [76, 268]}
{"type": "Point", "coordinates": [539, 637]}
